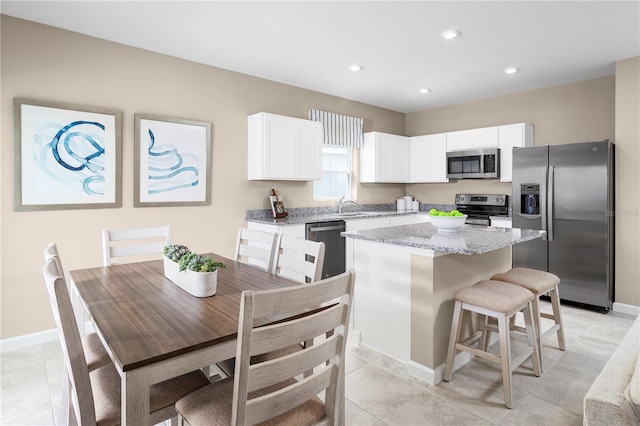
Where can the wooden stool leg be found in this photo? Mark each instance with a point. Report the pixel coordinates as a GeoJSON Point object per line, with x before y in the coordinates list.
{"type": "Point", "coordinates": [486, 332]}
{"type": "Point", "coordinates": [456, 324]}
{"type": "Point", "coordinates": [535, 306]}
{"type": "Point", "coordinates": [529, 319]}
{"type": "Point", "coordinates": [555, 303]}
{"type": "Point", "coordinates": [505, 358]}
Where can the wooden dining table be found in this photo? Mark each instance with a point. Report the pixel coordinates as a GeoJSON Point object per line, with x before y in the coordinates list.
{"type": "Point", "coordinates": [154, 331]}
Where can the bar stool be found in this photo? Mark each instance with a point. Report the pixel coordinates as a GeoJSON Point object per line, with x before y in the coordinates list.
{"type": "Point", "coordinates": [501, 301]}
{"type": "Point", "coordinates": [539, 283]}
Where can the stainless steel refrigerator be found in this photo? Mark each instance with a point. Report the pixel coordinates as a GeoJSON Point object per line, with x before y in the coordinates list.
{"type": "Point", "coordinates": [568, 191]}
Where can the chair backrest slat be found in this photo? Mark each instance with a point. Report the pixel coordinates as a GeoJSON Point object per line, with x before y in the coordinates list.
{"type": "Point", "coordinates": [123, 243]}
{"type": "Point", "coordinates": [316, 311]}
{"type": "Point", "coordinates": [299, 259]}
{"type": "Point", "coordinates": [270, 338]}
{"type": "Point", "coordinates": [256, 248]}
{"type": "Point", "coordinates": [259, 409]}
{"type": "Point", "coordinates": [281, 369]}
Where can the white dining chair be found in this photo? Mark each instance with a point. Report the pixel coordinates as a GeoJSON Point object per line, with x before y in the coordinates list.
{"type": "Point", "coordinates": [96, 394]}
{"type": "Point", "coordinates": [256, 248]}
{"type": "Point", "coordinates": [299, 259]}
{"type": "Point", "coordinates": [96, 355]}
{"type": "Point", "coordinates": [269, 391]}
{"type": "Point", "coordinates": [134, 243]}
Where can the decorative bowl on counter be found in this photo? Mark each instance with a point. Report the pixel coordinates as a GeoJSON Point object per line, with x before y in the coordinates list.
{"type": "Point", "coordinates": [448, 224]}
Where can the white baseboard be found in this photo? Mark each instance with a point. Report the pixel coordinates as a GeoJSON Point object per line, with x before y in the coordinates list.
{"type": "Point", "coordinates": [623, 308]}
{"type": "Point", "coordinates": [435, 376]}
{"type": "Point", "coordinates": [35, 338]}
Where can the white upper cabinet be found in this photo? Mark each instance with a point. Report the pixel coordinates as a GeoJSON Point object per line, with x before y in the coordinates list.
{"type": "Point", "coordinates": [283, 148]}
{"type": "Point", "coordinates": [428, 158]}
{"type": "Point", "coordinates": [384, 158]}
{"type": "Point", "coordinates": [512, 136]}
{"type": "Point", "coordinates": [486, 137]}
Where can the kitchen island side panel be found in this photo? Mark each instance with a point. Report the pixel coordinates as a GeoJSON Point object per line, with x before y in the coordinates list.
{"type": "Point", "coordinates": [382, 299]}
{"type": "Point", "coordinates": [433, 282]}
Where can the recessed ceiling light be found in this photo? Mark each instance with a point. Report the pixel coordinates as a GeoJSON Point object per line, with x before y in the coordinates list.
{"type": "Point", "coordinates": [451, 34]}
{"type": "Point", "coordinates": [511, 70]}
{"type": "Point", "coordinates": [356, 67]}
{"type": "Point", "coordinates": [425, 90]}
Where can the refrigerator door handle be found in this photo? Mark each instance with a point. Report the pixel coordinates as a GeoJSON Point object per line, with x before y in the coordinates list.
{"type": "Point", "coordinates": [543, 203]}
{"type": "Point", "coordinates": [550, 197]}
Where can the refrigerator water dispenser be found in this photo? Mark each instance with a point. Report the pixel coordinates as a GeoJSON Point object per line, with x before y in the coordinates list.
{"type": "Point", "coordinates": [530, 199]}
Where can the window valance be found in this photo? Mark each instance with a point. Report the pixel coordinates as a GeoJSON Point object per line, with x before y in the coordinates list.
{"type": "Point", "coordinates": [339, 129]}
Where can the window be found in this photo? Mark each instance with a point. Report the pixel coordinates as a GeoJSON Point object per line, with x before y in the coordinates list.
{"type": "Point", "coordinates": [336, 174]}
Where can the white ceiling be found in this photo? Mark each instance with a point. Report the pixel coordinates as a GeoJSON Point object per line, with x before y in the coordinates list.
{"type": "Point", "coordinates": [311, 44]}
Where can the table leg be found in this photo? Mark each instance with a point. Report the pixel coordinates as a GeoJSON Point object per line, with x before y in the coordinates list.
{"type": "Point", "coordinates": [135, 397]}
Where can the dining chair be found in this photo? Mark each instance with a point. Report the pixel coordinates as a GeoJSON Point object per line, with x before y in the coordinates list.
{"type": "Point", "coordinates": [299, 259]}
{"type": "Point", "coordinates": [96, 395]}
{"type": "Point", "coordinates": [134, 243]}
{"type": "Point", "coordinates": [270, 391]}
{"type": "Point", "coordinates": [95, 353]}
{"type": "Point", "coordinates": [256, 248]}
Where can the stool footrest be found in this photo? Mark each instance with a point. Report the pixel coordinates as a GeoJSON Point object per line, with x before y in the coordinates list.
{"type": "Point", "coordinates": [479, 352]}
{"type": "Point", "coordinates": [525, 355]}
{"type": "Point", "coordinates": [547, 316]}
{"type": "Point", "coordinates": [472, 339]}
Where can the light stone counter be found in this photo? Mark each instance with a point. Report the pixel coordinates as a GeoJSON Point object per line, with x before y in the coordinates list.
{"type": "Point", "coordinates": [468, 240]}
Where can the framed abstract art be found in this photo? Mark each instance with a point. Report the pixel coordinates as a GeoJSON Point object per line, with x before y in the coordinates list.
{"type": "Point", "coordinates": [66, 156]}
{"type": "Point", "coordinates": [172, 165]}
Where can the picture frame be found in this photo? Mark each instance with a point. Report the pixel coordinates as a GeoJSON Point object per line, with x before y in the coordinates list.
{"type": "Point", "coordinates": [172, 161]}
{"type": "Point", "coordinates": [67, 156]}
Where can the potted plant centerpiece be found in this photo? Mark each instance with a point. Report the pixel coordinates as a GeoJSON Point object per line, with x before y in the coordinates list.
{"type": "Point", "coordinates": [172, 255]}
{"type": "Point", "coordinates": [194, 273]}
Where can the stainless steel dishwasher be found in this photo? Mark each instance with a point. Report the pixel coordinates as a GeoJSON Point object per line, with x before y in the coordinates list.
{"type": "Point", "coordinates": [334, 250]}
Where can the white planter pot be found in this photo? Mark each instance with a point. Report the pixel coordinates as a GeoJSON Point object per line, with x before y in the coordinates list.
{"type": "Point", "coordinates": [199, 284]}
{"type": "Point", "coordinates": [171, 270]}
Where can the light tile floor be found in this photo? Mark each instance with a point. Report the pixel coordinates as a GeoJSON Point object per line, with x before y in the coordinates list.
{"type": "Point", "coordinates": [380, 392]}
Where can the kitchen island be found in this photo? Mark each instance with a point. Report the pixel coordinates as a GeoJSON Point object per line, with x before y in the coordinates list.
{"type": "Point", "coordinates": [405, 276]}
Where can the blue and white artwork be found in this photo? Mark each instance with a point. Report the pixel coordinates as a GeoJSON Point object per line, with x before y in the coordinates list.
{"type": "Point", "coordinates": [173, 162]}
{"type": "Point", "coordinates": [68, 157]}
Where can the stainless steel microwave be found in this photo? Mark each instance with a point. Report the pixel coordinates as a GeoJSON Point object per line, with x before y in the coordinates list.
{"type": "Point", "coordinates": [474, 164]}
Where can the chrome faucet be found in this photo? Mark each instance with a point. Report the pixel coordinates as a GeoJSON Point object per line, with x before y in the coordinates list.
{"type": "Point", "coordinates": [342, 202]}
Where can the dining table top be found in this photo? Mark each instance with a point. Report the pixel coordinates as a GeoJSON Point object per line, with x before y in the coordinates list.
{"type": "Point", "coordinates": [145, 318]}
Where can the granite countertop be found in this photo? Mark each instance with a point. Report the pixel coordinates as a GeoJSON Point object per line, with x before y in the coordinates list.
{"type": "Point", "coordinates": [299, 216]}
{"type": "Point", "coordinates": [468, 240]}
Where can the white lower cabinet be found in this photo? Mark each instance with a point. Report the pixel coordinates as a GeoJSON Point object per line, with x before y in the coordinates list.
{"type": "Point", "coordinates": [501, 223]}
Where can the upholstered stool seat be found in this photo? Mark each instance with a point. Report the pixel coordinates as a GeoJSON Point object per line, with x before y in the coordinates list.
{"type": "Point", "coordinates": [539, 283]}
{"type": "Point", "coordinates": [501, 301]}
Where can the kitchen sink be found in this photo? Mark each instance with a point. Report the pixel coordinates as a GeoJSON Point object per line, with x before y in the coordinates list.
{"type": "Point", "coordinates": [347, 214]}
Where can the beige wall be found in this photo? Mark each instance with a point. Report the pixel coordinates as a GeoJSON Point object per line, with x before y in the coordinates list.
{"type": "Point", "coordinates": [572, 113]}
{"type": "Point", "coordinates": [45, 63]}
{"type": "Point", "coordinates": [42, 62]}
{"type": "Point", "coordinates": [628, 181]}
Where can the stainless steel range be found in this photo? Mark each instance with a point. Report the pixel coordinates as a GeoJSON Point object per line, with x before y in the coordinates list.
{"type": "Point", "coordinates": [480, 207]}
